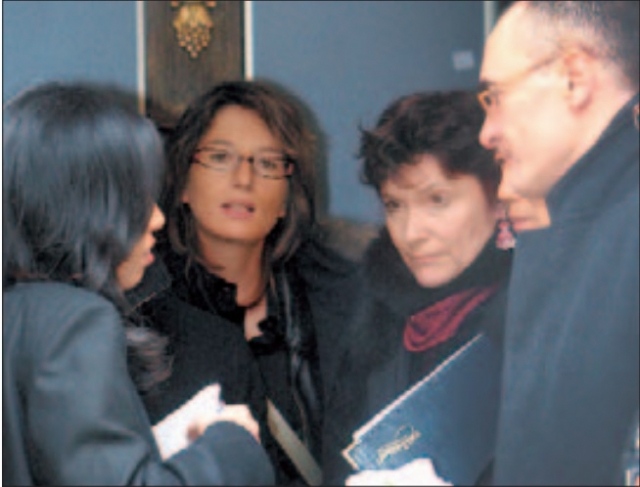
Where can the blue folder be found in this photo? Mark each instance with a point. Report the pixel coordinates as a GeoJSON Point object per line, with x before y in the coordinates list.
{"type": "Point", "coordinates": [450, 416]}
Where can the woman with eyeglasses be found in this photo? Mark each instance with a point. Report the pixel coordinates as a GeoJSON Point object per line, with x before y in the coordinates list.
{"type": "Point", "coordinates": [80, 175]}
{"type": "Point", "coordinates": [247, 294]}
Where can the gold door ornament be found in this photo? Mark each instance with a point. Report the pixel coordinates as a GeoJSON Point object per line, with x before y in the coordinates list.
{"type": "Point", "coordinates": [193, 25]}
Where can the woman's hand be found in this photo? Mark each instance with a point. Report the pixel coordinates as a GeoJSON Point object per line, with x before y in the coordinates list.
{"type": "Point", "coordinates": [239, 414]}
{"type": "Point", "coordinates": [188, 422]}
{"type": "Point", "coordinates": [417, 472]}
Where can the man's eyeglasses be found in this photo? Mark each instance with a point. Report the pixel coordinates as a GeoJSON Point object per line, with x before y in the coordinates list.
{"type": "Point", "coordinates": [490, 97]}
{"type": "Point", "coordinates": [267, 164]}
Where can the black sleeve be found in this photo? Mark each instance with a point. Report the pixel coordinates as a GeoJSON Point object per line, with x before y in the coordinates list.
{"type": "Point", "coordinates": [86, 423]}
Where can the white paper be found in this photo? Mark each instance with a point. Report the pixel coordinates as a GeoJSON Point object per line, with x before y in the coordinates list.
{"type": "Point", "coordinates": [171, 432]}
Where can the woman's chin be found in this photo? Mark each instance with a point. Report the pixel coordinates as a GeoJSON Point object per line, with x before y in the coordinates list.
{"type": "Point", "coordinates": [434, 280]}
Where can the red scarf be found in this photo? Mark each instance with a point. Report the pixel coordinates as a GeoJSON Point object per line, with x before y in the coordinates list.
{"type": "Point", "coordinates": [440, 321]}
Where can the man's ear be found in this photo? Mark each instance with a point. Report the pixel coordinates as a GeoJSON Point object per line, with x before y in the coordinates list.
{"type": "Point", "coordinates": [580, 69]}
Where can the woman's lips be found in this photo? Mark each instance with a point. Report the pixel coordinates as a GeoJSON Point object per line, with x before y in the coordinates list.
{"type": "Point", "coordinates": [149, 257]}
{"type": "Point", "coordinates": [424, 259]}
{"type": "Point", "coordinates": [238, 209]}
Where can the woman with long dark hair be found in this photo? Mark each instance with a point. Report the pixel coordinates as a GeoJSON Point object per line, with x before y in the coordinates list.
{"type": "Point", "coordinates": [81, 173]}
{"type": "Point", "coordinates": [253, 299]}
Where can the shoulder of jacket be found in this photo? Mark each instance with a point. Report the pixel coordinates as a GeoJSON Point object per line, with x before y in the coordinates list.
{"type": "Point", "coordinates": [46, 314]}
{"type": "Point", "coordinates": [49, 310]}
{"type": "Point", "coordinates": [43, 294]}
{"type": "Point", "coordinates": [622, 217]}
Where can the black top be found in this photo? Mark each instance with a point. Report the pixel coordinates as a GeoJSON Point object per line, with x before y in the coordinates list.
{"type": "Point", "coordinates": [571, 377]}
{"type": "Point", "coordinates": [375, 367]}
{"type": "Point", "coordinates": [71, 414]}
{"type": "Point", "coordinates": [198, 311]}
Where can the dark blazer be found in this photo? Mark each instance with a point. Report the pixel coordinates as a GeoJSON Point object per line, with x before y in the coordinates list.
{"type": "Point", "coordinates": [198, 312]}
{"type": "Point", "coordinates": [72, 415]}
{"type": "Point", "coordinates": [571, 376]}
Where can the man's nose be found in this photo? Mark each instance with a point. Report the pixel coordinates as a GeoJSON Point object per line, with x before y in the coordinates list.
{"type": "Point", "coordinates": [488, 133]}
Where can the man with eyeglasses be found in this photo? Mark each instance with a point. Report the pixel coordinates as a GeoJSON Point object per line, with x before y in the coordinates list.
{"type": "Point", "coordinates": [560, 89]}
{"type": "Point", "coordinates": [559, 83]}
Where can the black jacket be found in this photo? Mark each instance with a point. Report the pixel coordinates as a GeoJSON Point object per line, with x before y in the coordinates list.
{"type": "Point", "coordinates": [374, 366]}
{"type": "Point", "coordinates": [571, 376]}
{"type": "Point", "coordinates": [71, 413]}
{"type": "Point", "coordinates": [198, 312]}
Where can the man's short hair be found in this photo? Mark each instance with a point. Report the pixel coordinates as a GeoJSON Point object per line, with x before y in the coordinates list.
{"type": "Point", "coordinates": [608, 28]}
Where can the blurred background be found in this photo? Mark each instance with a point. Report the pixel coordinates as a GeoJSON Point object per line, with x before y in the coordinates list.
{"type": "Point", "coordinates": [344, 60]}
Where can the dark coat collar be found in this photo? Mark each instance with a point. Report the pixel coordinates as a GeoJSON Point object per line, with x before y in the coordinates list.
{"type": "Point", "coordinates": [205, 289]}
{"type": "Point", "coordinates": [190, 281]}
{"type": "Point", "coordinates": [605, 174]}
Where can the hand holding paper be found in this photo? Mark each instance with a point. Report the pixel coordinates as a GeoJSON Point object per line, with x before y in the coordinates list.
{"type": "Point", "coordinates": [187, 423]}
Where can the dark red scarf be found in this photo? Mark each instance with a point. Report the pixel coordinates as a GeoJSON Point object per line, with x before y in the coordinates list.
{"type": "Point", "coordinates": [440, 321]}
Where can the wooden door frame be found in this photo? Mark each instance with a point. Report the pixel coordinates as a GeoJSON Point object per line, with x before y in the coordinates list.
{"type": "Point", "coordinates": [141, 49]}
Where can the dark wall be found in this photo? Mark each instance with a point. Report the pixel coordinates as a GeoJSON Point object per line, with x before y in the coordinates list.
{"type": "Point", "coordinates": [66, 40]}
{"type": "Point", "coordinates": [348, 60]}
{"type": "Point", "coordinates": [345, 60]}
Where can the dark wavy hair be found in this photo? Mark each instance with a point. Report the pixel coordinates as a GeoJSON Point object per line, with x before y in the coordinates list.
{"type": "Point", "coordinates": [80, 174]}
{"type": "Point", "coordinates": [443, 124]}
{"type": "Point", "coordinates": [285, 119]}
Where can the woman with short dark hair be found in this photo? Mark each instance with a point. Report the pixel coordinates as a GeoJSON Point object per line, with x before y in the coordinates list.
{"type": "Point", "coordinates": [81, 173]}
{"type": "Point", "coordinates": [434, 277]}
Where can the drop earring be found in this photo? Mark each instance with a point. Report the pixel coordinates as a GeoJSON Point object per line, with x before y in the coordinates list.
{"type": "Point", "coordinates": [505, 239]}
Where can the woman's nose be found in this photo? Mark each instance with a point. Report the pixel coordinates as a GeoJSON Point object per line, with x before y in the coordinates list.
{"type": "Point", "coordinates": [415, 228]}
{"type": "Point", "coordinates": [243, 173]}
